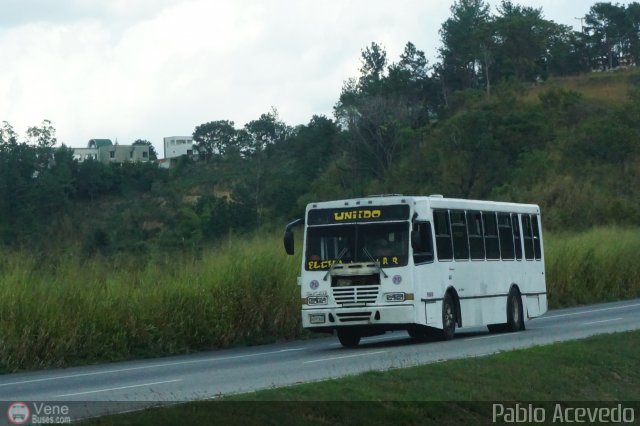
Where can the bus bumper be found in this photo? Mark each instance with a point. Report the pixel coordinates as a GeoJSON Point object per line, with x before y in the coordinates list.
{"type": "Point", "coordinates": [371, 315]}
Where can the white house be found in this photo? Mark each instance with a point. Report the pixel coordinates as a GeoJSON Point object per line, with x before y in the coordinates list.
{"type": "Point", "coordinates": [176, 146]}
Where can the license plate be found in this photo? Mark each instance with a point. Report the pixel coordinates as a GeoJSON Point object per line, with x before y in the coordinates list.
{"type": "Point", "coordinates": [316, 318]}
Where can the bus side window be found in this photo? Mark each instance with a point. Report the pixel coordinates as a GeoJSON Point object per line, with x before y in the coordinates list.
{"type": "Point", "coordinates": [491, 235]}
{"type": "Point", "coordinates": [476, 242]}
{"type": "Point", "coordinates": [459, 233]}
{"type": "Point", "coordinates": [536, 237]}
{"type": "Point", "coordinates": [443, 234]}
{"type": "Point", "coordinates": [506, 236]}
{"type": "Point", "coordinates": [516, 235]}
{"type": "Point", "coordinates": [423, 252]}
{"type": "Point", "coordinates": [527, 237]}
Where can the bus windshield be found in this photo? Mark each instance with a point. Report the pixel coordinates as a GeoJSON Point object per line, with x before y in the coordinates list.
{"type": "Point", "coordinates": [388, 243]}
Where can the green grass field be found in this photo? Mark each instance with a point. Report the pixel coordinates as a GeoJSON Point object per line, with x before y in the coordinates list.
{"type": "Point", "coordinates": [602, 368]}
{"type": "Point", "coordinates": [69, 310]}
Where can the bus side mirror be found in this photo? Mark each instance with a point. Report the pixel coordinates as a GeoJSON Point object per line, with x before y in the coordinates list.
{"type": "Point", "coordinates": [288, 235]}
{"type": "Point", "coordinates": [288, 242]}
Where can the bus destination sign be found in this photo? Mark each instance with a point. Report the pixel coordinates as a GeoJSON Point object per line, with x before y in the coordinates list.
{"type": "Point", "coordinates": [358, 214]}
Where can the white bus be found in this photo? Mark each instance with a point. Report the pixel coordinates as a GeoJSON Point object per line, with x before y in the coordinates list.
{"type": "Point", "coordinates": [421, 264]}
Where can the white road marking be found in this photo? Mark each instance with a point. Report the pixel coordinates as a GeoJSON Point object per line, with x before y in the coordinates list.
{"type": "Point", "coordinates": [118, 388]}
{"type": "Point", "coordinates": [601, 321]}
{"type": "Point", "coordinates": [146, 367]}
{"type": "Point", "coordinates": [371, 339]}
{"type": "Point", "coordinates": [342, 357]}
{"type": "Point", "coordinates": [587, 312]}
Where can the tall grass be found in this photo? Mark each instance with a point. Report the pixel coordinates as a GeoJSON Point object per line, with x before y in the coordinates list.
{"type": "Point", "coordinates": [599, 265]}
{"type": "Point", "coordinates": [78, 311]}
{"type": "Point", "coordinates": [68, 309]}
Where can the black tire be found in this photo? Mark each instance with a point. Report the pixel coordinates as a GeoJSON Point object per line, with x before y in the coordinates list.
{"type": "Point", "coordinates": [515, 319]}
{"type": "Point", "coordinates": [448, 318]}
{"type": "Point", "coordinates": [349, 338]}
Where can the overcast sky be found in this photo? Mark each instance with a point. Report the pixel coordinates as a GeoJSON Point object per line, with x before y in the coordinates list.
{"type": "Point", "coordinates": [145, 69]}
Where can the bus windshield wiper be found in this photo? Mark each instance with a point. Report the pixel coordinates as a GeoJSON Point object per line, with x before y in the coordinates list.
{"type": "Point", "coordinates": [340, 255]}
{"type": "Point", "coordinates": [365, 251]}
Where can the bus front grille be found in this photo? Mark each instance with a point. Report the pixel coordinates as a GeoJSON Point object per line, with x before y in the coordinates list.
{"type": "Point", "coordinates": [355, 295]}
{"type": "Point", "coordinates": [354, 316]}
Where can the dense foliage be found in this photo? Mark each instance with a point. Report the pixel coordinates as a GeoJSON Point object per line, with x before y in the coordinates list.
{"type": "Point", "coordinates": [496, 117]}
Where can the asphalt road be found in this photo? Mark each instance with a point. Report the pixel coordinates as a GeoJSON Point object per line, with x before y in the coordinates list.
{"type": "Point", "coordinates": [221, 372]}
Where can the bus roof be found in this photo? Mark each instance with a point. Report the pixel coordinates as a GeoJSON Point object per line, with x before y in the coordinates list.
{"type": "Point", "coordinates": [433, 201]}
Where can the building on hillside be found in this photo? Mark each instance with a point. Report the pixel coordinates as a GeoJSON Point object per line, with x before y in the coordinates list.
{"type": "Point", "coordinates": [106, 152]}
{"type": "Point", "coordinates": [83, 154]}
{"type": "Point", "coordinates": [175, 147]}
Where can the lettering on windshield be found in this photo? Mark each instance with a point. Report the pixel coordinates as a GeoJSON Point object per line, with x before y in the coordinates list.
{"type": "Point", "coordinates": [313, 265]}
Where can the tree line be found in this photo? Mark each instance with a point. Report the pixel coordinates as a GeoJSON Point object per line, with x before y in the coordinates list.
{"type": "Point", "coordinates": [519, 43]}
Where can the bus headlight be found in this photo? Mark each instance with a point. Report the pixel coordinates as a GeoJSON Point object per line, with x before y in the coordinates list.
{"type": "Point", "coordinates": [394, 297]}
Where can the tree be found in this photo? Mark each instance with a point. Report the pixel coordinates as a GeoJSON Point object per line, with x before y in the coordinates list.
{"type": "Point", "coordinates": [261, 138]}
{"type": "Point", "coordinates": [32, 185]}
{"type": "Point", "coordinates": [606, 25]}
{"type": "Point", "coordinates": [93, 179]}
{"type": "Point", "coordinates": [380, 109]}
{"type": "Point", "coordinates": [567, 53]}
{"type": "Point", "coordinates": [466, 47]}
{"type": "Point", "coordinates": [297, 161]}
{"type": "Point", "coordinates": [376, 107]}
{"type": "Point", "coordinates": [7, 136]}
{"type": "Point", "coordinates": [17, 171]}
{"type": "Point", "coordinates": [374, 63]}
{"type": "Point", "coordinates": [633, 31]}
{"type": "Point", "coordinates": [409, 78]}
{"type": "Point", "coordinates": [43, 136]}
{"type": "Point", "coordinates": [266, 131]}
{"type": "Point", "coordinates": [215, 138]}
{"type": "Point", "coordinates": [54, 186]}
{"type": "Point", "coordinates": [523, 41]}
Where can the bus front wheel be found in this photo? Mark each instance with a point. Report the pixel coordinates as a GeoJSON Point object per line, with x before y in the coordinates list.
{"type": "Point", "coordinates": [348, 338]}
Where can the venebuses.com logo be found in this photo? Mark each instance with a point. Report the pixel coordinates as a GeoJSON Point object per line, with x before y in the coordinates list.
{"type": "Point", "coordinates": [18, 413]}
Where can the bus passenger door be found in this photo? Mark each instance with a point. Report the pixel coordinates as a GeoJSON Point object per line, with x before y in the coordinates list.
{"type": "Point", "coordinates": [423, 259]}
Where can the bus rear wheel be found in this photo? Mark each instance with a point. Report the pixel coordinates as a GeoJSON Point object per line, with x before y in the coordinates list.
{"type": "Point", "coordinates": [348, 338]}
{"type": "Point", "coordinates": [515, 319]}
{"type": "Point", "coordinates": [448, 318]}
